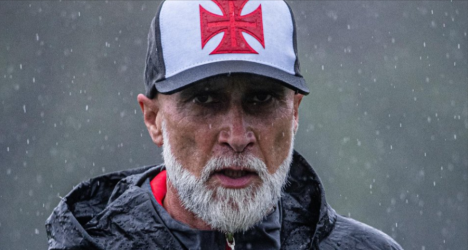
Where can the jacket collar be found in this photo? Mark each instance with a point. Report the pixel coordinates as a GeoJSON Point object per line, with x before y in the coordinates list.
{"type": "Point", "coordinates": [264, 235]}
{"type": "Point", "coordinates": [306, 218]}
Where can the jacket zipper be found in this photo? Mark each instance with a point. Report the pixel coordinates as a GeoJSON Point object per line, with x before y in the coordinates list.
{"type": "Point", "coordinates": [230, 241]}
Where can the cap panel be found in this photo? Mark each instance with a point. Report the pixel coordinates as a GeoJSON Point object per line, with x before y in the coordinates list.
{"type": "Point", "coordinates": [279, 30]}
{"type": "Point", "coordinates": [155, 69]}
{"type": "Point", "coordinates": [297, 67]}
{"type": "Point", "coordinates": [181, 39]}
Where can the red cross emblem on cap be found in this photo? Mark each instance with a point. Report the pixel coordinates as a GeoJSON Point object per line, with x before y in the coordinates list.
{"type": "Point", "coordinates": [232, 24]}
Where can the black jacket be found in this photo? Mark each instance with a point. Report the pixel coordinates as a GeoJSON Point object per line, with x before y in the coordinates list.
{"type": "Point", "coordinates": [118, 211]}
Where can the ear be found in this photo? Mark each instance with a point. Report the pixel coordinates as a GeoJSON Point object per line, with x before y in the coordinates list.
{"type": "Point", "coordinates": [297, 102]}
{"type": "Point", "coordinates": [152, 118]}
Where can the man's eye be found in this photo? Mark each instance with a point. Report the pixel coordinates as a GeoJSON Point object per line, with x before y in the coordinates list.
{"type": "Point", "coordinates": [203, 99]}
{"type": "Point", "coordinates": [261, 98]}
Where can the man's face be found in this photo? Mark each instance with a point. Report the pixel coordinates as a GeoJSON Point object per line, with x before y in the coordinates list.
{"type": "Point", "coordinates": [229, 116]}
{"type": "Point", "coordinates": [228, 143]}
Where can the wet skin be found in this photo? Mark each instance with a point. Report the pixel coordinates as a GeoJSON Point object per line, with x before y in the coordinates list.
{"type": "Point", "coordinates": [225, 116]}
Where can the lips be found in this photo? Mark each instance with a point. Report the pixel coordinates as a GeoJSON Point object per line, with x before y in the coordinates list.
{"type": "Point", "coordinates": [232, 178]}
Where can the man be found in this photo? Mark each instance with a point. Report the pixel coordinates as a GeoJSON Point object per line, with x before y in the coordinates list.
{"type": "Point", "coordinates": [223, 90]}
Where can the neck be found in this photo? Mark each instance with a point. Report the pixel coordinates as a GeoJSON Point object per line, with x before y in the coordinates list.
{"type": "Point", "coordinates": [174, 207]}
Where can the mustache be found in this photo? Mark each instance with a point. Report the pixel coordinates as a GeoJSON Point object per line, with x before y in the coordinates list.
{"type": "Point", "coordinates": [238, 162]}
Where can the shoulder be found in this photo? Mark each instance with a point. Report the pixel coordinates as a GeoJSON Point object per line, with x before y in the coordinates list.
{"type": "Point", "coordinates": [348, 233]}
{"type": "Point", "coordinates": [88, 216]}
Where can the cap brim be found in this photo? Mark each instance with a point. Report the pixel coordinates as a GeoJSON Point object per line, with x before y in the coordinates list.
{"type": "Point", "coordinates": [184, 79]}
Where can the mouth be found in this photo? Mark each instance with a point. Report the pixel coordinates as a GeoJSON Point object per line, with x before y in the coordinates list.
{"type": "Point", "coordinates": [234, 174]}
{"type": "Point", "coordinates": [235, 178]}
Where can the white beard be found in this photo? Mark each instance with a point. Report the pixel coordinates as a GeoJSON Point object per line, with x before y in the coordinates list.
{"type": "Point", "coordinates": [226, 209]}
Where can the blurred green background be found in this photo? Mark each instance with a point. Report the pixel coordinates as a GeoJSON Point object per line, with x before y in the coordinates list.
{"type": "Point", "coordinates": [385, 125]}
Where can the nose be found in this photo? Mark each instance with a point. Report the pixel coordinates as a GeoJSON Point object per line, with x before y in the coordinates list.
{"type": "Point", "coordinates": [236, 133]}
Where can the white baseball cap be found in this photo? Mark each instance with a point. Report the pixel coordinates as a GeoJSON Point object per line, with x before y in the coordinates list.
{"type": "Point", "coordinates": [190, 40]}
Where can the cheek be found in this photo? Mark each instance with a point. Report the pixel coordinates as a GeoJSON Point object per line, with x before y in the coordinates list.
{"type": "Point", "coordinates": [275, 143]}
{"type": "Point", "coordinates": [283, 143]}
{"type": "Point", "coordinates": [190, 142]}
{"type": "Point", "coordinates": [182, 143]}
